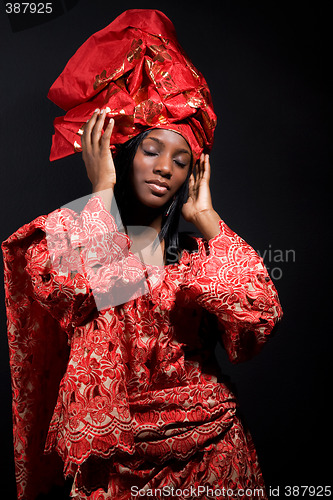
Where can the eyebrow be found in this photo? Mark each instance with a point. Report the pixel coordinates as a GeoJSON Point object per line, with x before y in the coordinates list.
{"type": "Point", "coordinates": [161, 143]}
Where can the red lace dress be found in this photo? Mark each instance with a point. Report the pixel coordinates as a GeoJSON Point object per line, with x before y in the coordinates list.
{"type": "Point", "coordinates": [128, 394]}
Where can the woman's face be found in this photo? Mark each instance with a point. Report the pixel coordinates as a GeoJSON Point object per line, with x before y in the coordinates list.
{"type": "Point", "coordinates": [160, 167]}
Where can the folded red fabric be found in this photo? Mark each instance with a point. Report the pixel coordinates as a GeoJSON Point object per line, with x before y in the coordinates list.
{"type": "Point", "coordinates": [136, 70]}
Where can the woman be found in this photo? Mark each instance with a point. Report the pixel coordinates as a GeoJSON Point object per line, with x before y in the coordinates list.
{"type": "Point", "coordinates": [141, 410]}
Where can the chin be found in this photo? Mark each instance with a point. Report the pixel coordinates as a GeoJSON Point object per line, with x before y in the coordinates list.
{"type": "Point", "coordinates": [154, 203]}
{"type": "Point", "coordinates": [151, 200]}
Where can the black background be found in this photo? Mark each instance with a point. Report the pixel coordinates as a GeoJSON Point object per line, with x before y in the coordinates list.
{"type": "Point", "coordinates": [266, 65]}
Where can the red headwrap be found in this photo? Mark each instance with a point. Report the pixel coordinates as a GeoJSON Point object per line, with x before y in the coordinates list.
{"type": "Point", "coordinates": [136, 69]}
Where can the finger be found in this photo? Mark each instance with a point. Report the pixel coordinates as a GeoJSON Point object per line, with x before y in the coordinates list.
{"type": "Point", "coordinates": [97, 130]}
{"type": "Point", "coordinates": [105, 140]}
{"type": "Point", "coordinates": [202, 166]}
{"type": "Point", "coordinates": [206, 168]}
{"type": "Point", "coordinates": [195, 175]}
{"type": "Point", "coordinates": [199, 168]}
{"type": "Point", "coordinates": [196, 170]}
{"type": "Point", "coordinates": [191, 183]}
{"type": "Point", "coordinates": [86, 136]}
{"type": "Point", "coordinates": [191, 189]}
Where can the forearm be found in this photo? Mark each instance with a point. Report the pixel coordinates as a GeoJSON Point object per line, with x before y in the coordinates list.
{"type": "Point", "coordinates": [106, 194]}
{"type": "Point", "coordinates": [97, 157]}
{"type": "Point", "coordinates": [207, 222]}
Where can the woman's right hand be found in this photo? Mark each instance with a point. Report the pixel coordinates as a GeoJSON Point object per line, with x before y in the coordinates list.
{"type": "Point", "coordinates": [96, 152]}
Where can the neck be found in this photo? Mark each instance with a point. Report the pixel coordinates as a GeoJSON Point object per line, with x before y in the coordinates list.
{"type": "Point", "coordinates": [140, 215]}
{"type": "Point", "coordinates": [143, 224]}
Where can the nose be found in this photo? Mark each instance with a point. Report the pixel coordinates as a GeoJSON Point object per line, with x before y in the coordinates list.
{"type": "Point", "coordinates": [164, 166]}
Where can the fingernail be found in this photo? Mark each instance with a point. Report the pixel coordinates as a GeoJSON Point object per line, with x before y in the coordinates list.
{"type": "Point", "coordinates": [96, 110]}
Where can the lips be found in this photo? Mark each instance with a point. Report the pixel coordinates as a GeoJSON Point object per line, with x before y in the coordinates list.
{"type": "Point", "coordinates": [157, 186]}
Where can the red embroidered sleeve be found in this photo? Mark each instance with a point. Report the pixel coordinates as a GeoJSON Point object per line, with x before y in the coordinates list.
{"type": "Point", "coordinates": [233, 283]}
{"type": "Point", "coordinates": [82, 261]}
{"type": "Point", "coordinates": [53, 267]}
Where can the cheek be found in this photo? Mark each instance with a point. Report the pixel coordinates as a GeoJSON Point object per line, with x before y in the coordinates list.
{"type": "Point", "coordinates": [137, 172]}
{"type": "Point", "coordinates": [179, 180]}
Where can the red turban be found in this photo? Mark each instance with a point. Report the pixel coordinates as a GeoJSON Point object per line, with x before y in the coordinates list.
{"type": "Point", "coordinates": [136, 69]}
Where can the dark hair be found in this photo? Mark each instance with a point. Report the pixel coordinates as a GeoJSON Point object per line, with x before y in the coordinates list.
{"type": "Point", "coordinates": [171, 216]}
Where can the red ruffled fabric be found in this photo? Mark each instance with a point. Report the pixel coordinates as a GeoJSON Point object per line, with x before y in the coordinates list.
{"type": "Point", "coordinates": [136, 70]}
{"type": "Point", "coordinates": [128, 394]}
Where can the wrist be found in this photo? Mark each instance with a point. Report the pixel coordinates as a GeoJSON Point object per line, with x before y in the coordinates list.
{"type": "Point", "coordinates": [207, 222]}
{"type": "Point", "coordinates": [103, 186]}
{"type": "Point", "coordinates": [105, 192]}
{"type": "Point", "coordinates": [202, 215]}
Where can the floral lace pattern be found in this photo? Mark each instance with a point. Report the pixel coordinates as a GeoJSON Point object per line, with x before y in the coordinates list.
{"type": "Point", "coordinates": [122, 393]}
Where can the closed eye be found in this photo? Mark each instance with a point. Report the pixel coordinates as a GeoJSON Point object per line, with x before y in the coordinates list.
{"type": "Point", "coordinates": [180, 164]}
{"type": "Point", "coordinates": [149, 153]}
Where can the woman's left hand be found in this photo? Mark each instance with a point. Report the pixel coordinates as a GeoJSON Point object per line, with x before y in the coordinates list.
{"type": "Point", "coordinates": [199, 209]}
{"type": "Point", "coordinates": [199, 197]}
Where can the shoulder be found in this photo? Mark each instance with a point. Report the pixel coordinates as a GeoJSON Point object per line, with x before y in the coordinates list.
{"type": "Point", "coordinates": [55, 222]}
{"type": "Point", "coordinates": [26, 232]}
{"type": "Point", "coordinates": [193, 243]}
{"type": "Point", "coordinates": [188, 241]}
